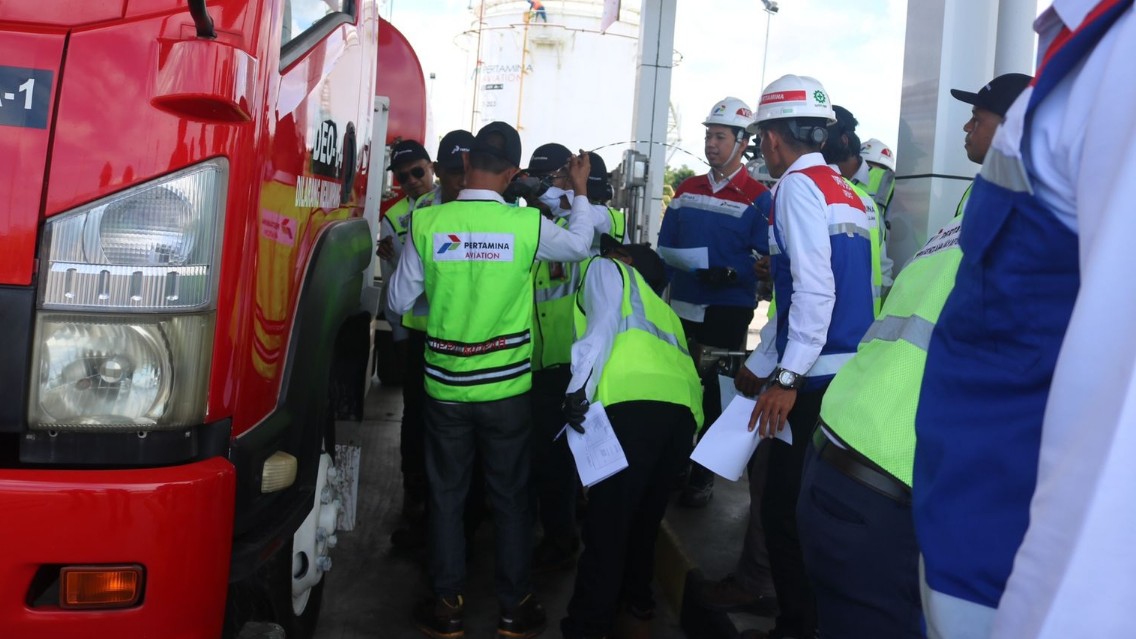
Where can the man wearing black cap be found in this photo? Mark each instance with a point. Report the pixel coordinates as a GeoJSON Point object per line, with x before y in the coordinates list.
{"type": "Point", "coordinates": [451, 176]}
{"type": "Point", "coordinates": [414, 173]}
{"type": "Point", "coordinates": [990, 104]}
{"type": "Point", "coordinates": [600, 193]}
{"type": "Point", "coordinates": [630, 356]}
{"type": "Point", "coordinates": [980, 396]}
{"type": "Point", "coordinates": [472, 259]}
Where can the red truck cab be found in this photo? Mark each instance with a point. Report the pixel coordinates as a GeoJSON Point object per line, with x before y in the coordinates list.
{"type": "Point", "coordinates": [182, 253]}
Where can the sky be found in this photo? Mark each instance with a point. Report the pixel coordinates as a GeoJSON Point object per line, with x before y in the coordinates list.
{"type": "Point", "coordinates": [855, 49]}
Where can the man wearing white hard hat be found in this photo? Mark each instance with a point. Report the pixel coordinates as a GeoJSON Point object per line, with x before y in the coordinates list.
{"type": "Point", "coordinates": [822, 279]}
{"type": "Point", "coordinates": [879, 180]}
{"type": "Point", "coordinates": [709, 234]}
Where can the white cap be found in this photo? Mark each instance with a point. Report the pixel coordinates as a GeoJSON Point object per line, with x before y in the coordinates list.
{"type": "Point", "coordinates": [794, 96]}
{"type": "Point", "coordinates": [730, 112]}
{"type": "Point", "coordinates": [878, 153]}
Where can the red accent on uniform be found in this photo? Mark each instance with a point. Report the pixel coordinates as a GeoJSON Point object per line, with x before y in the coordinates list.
{"type": "Point", "coordinates": [835, 189]}
{"type": "Point", "coordinates": [783, 96]}
{"type": "Point", "coordinates": [1065, 35]}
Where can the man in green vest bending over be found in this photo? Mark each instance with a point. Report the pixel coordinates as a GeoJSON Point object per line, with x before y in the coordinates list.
{"type": "Point", "coordinates": [472, 258]}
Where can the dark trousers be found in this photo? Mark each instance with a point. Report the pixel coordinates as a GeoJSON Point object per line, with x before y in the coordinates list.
{"type": "Point", "coordinates": [752, 571]}
{"type": "Point", "coordinates": [722, 327]}
{"type": "Point", "coordinates": [500, 432]}
{"type": "Point", "coordinates": [412, 433]}
{"type": "Point", "coordinates": [779, 516]}
{"type": "Point", "coordinates": [624, 513]}
{"type": "Point", "coordinates": [861, 555]}
{"type": "Point", "coordinates": [553, 471]}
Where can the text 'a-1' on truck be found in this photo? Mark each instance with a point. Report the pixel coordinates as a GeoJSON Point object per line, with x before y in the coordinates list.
{"type": "Point", "coordinates": [184, 244]}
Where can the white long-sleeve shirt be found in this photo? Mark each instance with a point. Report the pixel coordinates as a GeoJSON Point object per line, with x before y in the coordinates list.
{"type": "Point", "coordinates": [602, 302]}
{"type": "Point", "coordinates": [556, 245]}
{"type": "Point", "coordinates": [801, 216]}
{"type": "Point", "coordinates": [1074, 573]}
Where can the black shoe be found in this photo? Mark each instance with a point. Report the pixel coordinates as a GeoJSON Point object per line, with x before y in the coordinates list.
{"type": "Point", "coordinates": [525, 621]}
{"type": "Point", "coordinates": [440, 617]}
{"type": "Point", "coordinates": [696, 496]}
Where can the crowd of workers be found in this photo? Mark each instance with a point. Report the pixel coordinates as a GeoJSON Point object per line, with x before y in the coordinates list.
{"type": "Point", "coordinates": [918, 406]}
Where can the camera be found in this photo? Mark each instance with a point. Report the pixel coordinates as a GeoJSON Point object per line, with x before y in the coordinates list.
{"type": "Point", "coordinates": [526, 186]}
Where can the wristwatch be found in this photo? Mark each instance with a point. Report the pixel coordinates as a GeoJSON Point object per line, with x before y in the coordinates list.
{"type": "Point", "coordinates": [787, 379]}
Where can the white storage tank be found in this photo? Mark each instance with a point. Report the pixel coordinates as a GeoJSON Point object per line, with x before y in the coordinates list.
{"type": "Point", "coordinates": [559, 80]}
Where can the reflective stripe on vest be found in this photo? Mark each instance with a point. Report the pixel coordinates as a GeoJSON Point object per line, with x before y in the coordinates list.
{"type": "Point", "coordinates": [477, 258]}
{"type": "Point", "coordinates": [649, 360]}
{"type": "Point", "coordinates": [871, 403]}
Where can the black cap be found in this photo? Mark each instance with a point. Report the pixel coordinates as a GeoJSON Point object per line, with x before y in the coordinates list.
{"type": "Point", "coordinates": [500, 140]}
{"type": "Point", "coordinates": [407, 151]}
{"type": "Point", "coordinates": [452, 146]}
{"type": "Point", "coordinates": [998, 94]}
{"type": "Point", "coordinates": [548, 158]}
{"type": "Point", "coordinates": [599, 182]}
{"type": "Point", "coordinates": [844, 119]}
{"type": "Point", "coordinates": [643, 258]}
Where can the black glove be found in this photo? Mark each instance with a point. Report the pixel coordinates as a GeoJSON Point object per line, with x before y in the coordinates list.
{"type": "Point", "coordinates": [717, 275]}
{"type": "Point", "coordinates": [574, 408]}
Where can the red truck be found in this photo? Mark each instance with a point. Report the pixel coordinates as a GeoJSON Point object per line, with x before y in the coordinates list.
{"type": "Point", "coordinates": [185, 243]}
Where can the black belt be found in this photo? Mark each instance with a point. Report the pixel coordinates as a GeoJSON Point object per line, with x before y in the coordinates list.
{"type": "Point", "coordinates": [849, 463]}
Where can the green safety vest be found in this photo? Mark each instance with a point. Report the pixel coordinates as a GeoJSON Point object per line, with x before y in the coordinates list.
{"type": "Point", "coordinates": [648, 359]}
{"type": "Point", "coordinates": [871, 403]}
{"type": "Point", "coordinates": [554, 289]}
{"type": "Point", "coordinates": [880, 186]}
{"type": "Point", "coordinates": [965, 198]}
{"type": "Point", "coordinates": [618, 224]}
{"type": "Point", "coordinates": [477, 258]}
{"type": "Point", "coordinates": [415, 318]}
{"type": "Point", "coordinates": [876, 237]}
{"type": "Point", "coordinates": [399, 217]}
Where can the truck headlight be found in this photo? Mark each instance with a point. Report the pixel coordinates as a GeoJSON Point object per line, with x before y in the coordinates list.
{"type": "Point", "coordinates": [126, 312]}
{"type": "Point", "coordinates": [150, 248]}
{"type": "Point", "coordinates": [120, 373]}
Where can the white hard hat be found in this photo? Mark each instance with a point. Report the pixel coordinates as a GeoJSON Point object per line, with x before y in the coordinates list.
{"type": "Point", "coordinates": [877, 152]}
{"type": "Point", "coordinates": [730, 112]}
{"type": "Point", "coordinates": [794, 96]}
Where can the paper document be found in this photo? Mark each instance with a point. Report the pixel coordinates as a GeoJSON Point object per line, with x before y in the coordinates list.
{"type": "Point", "coordinates": [688, 259]}
{"type": "Point", "coordinates": [597, 451]}
{"type": "Point", "coordinates": [726, 447]}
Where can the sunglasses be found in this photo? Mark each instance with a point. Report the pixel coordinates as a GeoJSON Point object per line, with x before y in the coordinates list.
{"type": "Point", "coordinates": [417, 172]}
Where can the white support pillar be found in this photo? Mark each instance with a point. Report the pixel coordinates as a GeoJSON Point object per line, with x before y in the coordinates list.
{"type": "Point", "coordinates": [1014, 50]}
{"type": "Point", "coordinates": [652, 103]}
{"type": "Point", "coordinates": [950, 44]}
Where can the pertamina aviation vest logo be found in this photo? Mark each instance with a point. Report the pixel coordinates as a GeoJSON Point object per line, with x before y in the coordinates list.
{"type": "Point", "coordinates": [473, 247]}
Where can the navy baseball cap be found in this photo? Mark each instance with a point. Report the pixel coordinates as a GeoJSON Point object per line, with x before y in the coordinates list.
{"type": "Point", "coordinates": [500, 140]}
{"type": "Point", "coordinates": [452, 146]}
{"type": "Point", "coordinates": [599, 182]}
{"type": "Point", "coordinates": [407, 151]}
{"type": "Point", "coordinates": [998, 94]}
{"type": "Point", "coordinates": [548, 158]}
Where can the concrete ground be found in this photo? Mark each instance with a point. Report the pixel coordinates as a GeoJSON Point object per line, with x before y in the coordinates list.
{"type": "Point", "coordinates": [370, 591]}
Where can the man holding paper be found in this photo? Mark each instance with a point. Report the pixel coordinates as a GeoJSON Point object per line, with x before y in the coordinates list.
{"type": "Point", "coordinates": [630, 356]}
{"type": "Point", "coordinates": [822, 281]}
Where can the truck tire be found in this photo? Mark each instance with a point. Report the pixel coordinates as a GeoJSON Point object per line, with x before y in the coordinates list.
{"type": "Point", "coordinates": [298, 619]}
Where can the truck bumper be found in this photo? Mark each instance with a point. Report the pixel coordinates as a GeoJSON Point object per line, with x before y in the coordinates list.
{"type": "Point", "coordinates": [177, 522]}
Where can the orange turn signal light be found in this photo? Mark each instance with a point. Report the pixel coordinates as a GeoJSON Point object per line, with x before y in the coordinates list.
{"type": "Point", "coordinates": [100, 587]}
